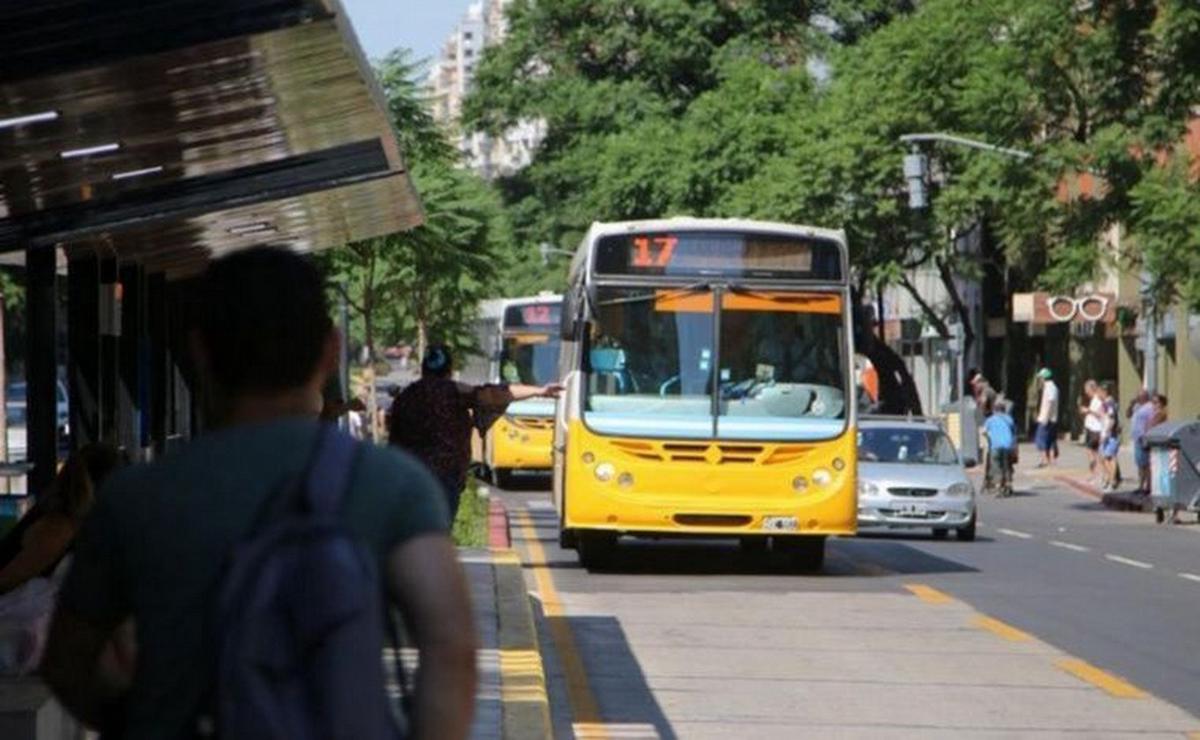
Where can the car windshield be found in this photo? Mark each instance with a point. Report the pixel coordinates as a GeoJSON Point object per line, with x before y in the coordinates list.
{"type": "Point", "coordinates": [653, 366]}
{"type": "Point", "coordinates": [529, 358]}
{"type": "Point", "coordinates": [905, 445]}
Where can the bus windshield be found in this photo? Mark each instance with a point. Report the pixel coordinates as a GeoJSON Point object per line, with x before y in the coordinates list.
{"type": "Point", "coordinates": [775, 364]}
{"type": "Point", "coordinates": [528, 358]}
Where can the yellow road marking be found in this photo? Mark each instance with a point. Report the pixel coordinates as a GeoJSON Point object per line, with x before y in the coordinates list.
{"type": "Point", "coordinates": [928, 594]}
{"type": "Point", "coordinates": [1085, 671]}
{"type": "Point", "coordinates": [522, 676]}
{"type": "Point", "coordinates": [584, 708]}
{"type": "Point", "coordinates": [1000, 629]}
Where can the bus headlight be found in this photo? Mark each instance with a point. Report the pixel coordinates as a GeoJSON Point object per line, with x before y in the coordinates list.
{"type": "Point", "coordinates": [959, 490]}
{"type": "Point", "coordinates": [822, 477]}
{"type": "Point", "coordinates": [513, 434]}
{"type": "Point", "coordinates": [799, 484]}
{"type": "Point", "coordinates": [625, 480]}
{"type": "Point", "coordinates": [605, 472]}
{"type": "Point", "coordinates": [867, 490]}
{"type": "Point", "coordinates": [839, 464]}
{"type": "Point", "coordinates": [588, 458]}
{"type": "Point", "coordinates": [524, 438]}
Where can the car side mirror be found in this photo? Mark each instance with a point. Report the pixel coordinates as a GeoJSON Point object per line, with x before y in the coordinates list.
{"type": "Point", "coordinates": [969, 462]}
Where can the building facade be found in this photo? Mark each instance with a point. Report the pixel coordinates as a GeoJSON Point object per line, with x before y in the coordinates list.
{"type": "Point", "coordinates": [450, 79]}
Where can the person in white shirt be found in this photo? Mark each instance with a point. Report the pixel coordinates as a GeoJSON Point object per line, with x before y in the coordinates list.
{"type": "Point", "coordinates": [1045, 436]}
{"type": "Point", "coordinates": [1092, 411]}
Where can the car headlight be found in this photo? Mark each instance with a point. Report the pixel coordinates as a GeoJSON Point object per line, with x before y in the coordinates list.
{"type": "Point", "coordinates": [960, 490]}
{"type": "Point", "coordinates": [867, 490]}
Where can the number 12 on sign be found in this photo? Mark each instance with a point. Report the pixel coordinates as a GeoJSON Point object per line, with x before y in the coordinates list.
{"type": "Point", "coordinates": [653, 251]}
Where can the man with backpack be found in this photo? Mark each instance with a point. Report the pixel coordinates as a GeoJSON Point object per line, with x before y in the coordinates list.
{"type": "Point", "coordinates": [255, 563]}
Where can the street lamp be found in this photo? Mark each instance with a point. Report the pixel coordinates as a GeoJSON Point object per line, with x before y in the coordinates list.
{"type": "Point", "coordinates": [545, 249]}
{"type": "Point", "coordinates": [916, 162]}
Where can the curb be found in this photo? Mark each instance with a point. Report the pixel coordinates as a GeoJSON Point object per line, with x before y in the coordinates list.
{"type": "Point", "coordinates": [1120, 501]}
{"type": "Point", "coordinates": [525, 707]}
{"type": "Point", "coordinates": [498, 527]}
{"type": "Point", "coordinates": [1083, 488]}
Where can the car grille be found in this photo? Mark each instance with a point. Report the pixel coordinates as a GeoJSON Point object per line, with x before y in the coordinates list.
{"type": "Point", "coordinates": [913, 492]}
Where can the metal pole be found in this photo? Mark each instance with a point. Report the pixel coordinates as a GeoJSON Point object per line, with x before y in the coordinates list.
{"type": "Point", "coordinates": [963, 141]}
{"type": "Point", "coordinates": [1150, 372]}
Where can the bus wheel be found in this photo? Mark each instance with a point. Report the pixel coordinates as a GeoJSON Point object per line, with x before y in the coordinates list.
{"type": "Point", "coordinates": [567, 539]}
{"type": "Point", "coordinates": [501, 478]}
{"type": "Point", "coordinates": [807, 553]}
{"type": "Point", "coordinates": [596, 549]}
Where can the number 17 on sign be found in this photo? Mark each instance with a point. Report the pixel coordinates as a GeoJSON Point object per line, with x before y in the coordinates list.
{"type": "Point", "coordinates": [653, 252]}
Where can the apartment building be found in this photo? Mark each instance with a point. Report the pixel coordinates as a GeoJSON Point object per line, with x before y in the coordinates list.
{"type": "Point", "coordinates": [450, 80]}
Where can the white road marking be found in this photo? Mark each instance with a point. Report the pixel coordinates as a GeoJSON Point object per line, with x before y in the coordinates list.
{"type": "Point", "coordinates": [1190, 577]}
{"type": "Point", "coordinates": [1015, 533]}
{"type": "Point", "coordinates": [539, 505]}
{"type": "Point", "coordinates": [1070, 546]}
{"type": "Point", "coordinates": [1127, 561]}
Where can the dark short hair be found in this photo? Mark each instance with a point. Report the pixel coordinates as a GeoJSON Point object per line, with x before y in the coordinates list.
{"type": "Point", "coordinates": [438, 361]}
{"type": "Point", "coordinates": [264, 320]}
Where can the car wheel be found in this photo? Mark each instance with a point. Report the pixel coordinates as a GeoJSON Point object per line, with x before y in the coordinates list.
{"type": "Point", "coordinates": [807, 554]}
{"type": "Point", "coordinates": [967, 533]}
{"type": "Point", "coordinates": [939, 533]}
{"type": "Point", "coordinates": [597, 550]}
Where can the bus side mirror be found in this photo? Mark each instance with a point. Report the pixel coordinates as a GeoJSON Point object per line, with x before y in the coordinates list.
{"type": "Point", "coordinates": [567, 326]}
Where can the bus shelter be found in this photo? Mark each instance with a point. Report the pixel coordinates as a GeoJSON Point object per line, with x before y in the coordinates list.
{"type": "Point", "coordinates": [140, 139]}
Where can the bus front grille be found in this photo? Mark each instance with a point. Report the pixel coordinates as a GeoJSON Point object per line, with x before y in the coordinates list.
{"type": "Point", "coordinates": [713, 454]}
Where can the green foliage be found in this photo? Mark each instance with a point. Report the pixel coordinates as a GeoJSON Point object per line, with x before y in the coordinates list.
{"type": "Point", "coordinates": [471, 522]}
{"type": "Point", "coordinates": [1166, 222]}
{"type": "Point", "coordinates": [424, 285]}
{"type": "Point", "coordinates": [667, 107]}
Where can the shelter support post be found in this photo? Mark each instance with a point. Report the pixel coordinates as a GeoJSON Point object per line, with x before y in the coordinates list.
{"type": "Point", "coordinates": [41, 374]}
{"type": "Point", "coordinates": [83, 349]}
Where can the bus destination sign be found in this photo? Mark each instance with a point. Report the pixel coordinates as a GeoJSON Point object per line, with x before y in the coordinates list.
{"type": "Point", "coordinates": [724, 254]}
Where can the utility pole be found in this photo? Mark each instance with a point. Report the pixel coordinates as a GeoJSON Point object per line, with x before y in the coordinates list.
{"type": "Point", "coordinates": [1150, 311]}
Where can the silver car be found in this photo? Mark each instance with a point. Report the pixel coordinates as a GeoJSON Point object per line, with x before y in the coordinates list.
{"type": "Point", "coordinates": [911, 477]}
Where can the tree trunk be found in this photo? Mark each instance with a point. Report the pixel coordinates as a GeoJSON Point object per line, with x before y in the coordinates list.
{"type": "Point", "coordinates": [422, 337]}
{"type": "Point", "coordinates": [897, 390]}
{"type": "Point", "coordinates": [937, 321]}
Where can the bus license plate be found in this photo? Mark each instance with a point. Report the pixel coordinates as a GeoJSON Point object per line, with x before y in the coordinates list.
{"type": "Point", "coordinates": [781, 523]}
{"type": "Point", "coordinates": [907, 509]}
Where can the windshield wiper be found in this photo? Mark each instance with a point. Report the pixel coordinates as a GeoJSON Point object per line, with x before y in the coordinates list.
{"type": "Point", "coordinates": [639, 298]}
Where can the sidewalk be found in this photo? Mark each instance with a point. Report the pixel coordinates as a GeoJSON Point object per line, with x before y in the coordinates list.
{"type": "Point", "coordinates": [1071, 469]}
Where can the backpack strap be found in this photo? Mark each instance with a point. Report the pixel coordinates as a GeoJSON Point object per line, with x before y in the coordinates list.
{"type": "Point", "coordinates": [328, 476]}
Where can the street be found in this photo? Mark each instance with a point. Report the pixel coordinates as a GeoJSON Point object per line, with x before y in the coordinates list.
{"type": "Point", "coordinates": [1062, 619]}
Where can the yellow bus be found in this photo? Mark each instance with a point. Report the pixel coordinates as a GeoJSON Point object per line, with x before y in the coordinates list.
{"type": "Point", "coordinates": [709, 388]}
{"type": "Point", "coordinates": [523, 337]}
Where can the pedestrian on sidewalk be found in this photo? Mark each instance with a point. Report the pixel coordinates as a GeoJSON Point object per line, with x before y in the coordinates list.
{"type": "Point", "coordinates": [1001, 432]}
{"type": "Point", "coordinates": [1110, 437]}
{"type": "Point", "coordinates": [1139, 423]}
{"type": "Point", "coordinates": [1092, 411]}
{"type": "Point", "coordinates": [1045, 436]}
{"type": "Point", "coordinates": [1160, 410]}
{"type": "Point", "coordinates": [433, 418]}
{"type": "Point", "coordinates": [155, 547]}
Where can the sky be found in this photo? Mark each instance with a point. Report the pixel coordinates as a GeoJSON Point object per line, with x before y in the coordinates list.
{"type": "Point", "coordinates": [420, 25]}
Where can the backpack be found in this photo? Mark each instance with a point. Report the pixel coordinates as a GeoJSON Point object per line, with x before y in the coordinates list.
{"type": "Point", "coordinates": [298, 621]}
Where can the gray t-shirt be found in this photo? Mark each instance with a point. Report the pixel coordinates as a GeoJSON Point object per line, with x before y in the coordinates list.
{"type": "Point", "coordinates": [156, 542]}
